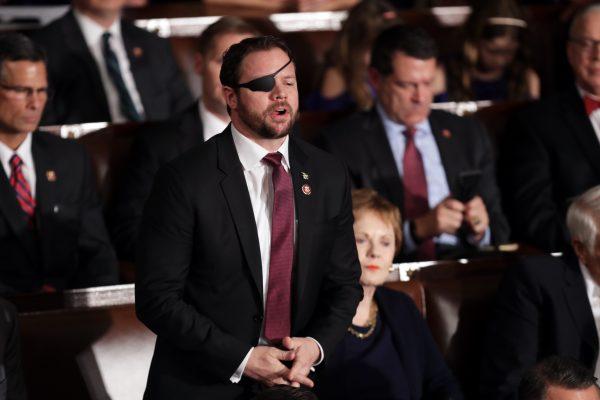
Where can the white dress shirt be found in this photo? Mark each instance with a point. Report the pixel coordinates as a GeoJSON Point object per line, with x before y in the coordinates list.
{"type": "Point", "coordinates": [260, 187]}
{"type": "Point", "coordinates": [28, 167]}
{"type": "Point", "coordinates": [593, 294]}
{"type": "Point", "coordinates": [595, 116]}
{"type": "Point", "coordinates": [211, 124]}
{"type": "Point", "coordinates": [92, 33]}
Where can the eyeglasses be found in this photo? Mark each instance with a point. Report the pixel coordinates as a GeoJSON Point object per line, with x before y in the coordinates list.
{"type": "Point", "coordinates": [25, 92]}
{"type": "Point", "coordinates": [586, 44]}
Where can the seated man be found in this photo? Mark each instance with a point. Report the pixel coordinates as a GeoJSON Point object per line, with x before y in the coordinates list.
{"type": "Point", "coordinates": [12, 384]}
{"type": "Point", "coordinates": [164, 142]}
{"type": "Point", "coordinates": [552, 149]}
{"type": "Point", "coordinates": [52, 235]}
{"type": "Point", "coordinates": [559, 378]}
{"type": "Point", "coordinates": [102, 68]}
{"type": "Point", "coordinates": [436, 167]}
{"type": "Point", "coordinates": [547, 306]}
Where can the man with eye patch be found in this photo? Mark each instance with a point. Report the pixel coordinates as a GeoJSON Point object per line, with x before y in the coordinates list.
{"type": "Point", "coordinates": [436, 167]}
{"type": "Point", "coordinates": [247, 269]}
{"type": "Point", "coordinates": [52, 234]}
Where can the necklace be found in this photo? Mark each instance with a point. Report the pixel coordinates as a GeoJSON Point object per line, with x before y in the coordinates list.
{"type": "Point", "coordinates": [372, 324]}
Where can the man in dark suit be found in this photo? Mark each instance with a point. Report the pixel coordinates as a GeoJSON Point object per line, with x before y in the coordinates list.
{"type": "Point", "coordinates": [162, 143]}
{"type": "Point", "coordinates": [102, 68]}
{"type": "Point", "coordinates": [247, 257]}
{"type": "Point", "coordinates": [436, 167]}
{"type": "Point", "coordinates": [12, 384]}
{"type": "Point", "coordinates": [52, 235]}
{"type": "Point", "coordinates": [547, 306]}
{"type": "Point", "coordinates": [552, 149]}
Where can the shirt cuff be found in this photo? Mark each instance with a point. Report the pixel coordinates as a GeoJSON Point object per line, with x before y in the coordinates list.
{"type": "Point", "coordinates": [485, 240]}
{"type": "Point", "coordinates": [237, 375]}
{"type": "Point", "coordinates": [320, 350]}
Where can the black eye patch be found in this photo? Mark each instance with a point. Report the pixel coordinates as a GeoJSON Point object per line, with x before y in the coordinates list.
{"type": "Point", "coordinates": [264, 83]}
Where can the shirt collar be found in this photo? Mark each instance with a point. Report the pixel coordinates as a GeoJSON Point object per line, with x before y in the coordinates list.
{"type": "Point", "coordinates": [24, 153]}
{"type": "Point", "coordinates": [92, 31]}
{"type": "Point", "coordinates": [251, 154]}
{"type": "Point", "coordinates": [211, 124]}
{"type": "Point", "coordinates": [390, 125]}
{"type": "Point", "coordinates": [591, 286]}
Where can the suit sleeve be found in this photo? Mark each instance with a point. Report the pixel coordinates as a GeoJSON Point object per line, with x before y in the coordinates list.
{"type": "Point", "coordinates": [12, 353]}
{"type": "Point", "coordinates": [511, 345]}
{"type": "Point", "coordinates": [489, 188]}
{"type": "Point", "coordinates": [97, 261]}
{"type": "Point", "coordinates": [526, 178]}
{"type": "Point", "coordinates": [164, 256]}
{"type": "Point", "coordinates": [340, 290]}
{"type": "Point", "coordinates": [131, 197]}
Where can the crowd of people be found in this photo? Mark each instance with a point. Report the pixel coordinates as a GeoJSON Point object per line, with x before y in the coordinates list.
{"type": "Point", "coordinates": [260, 259]}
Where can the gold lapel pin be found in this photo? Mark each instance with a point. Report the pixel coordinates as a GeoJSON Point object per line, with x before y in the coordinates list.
{"type": "Point", "coordinates": [51, 175]}
{"type": "Point", "coordinates": [306, 189]}
{"type": "Point", "coordinates": [446, 133]}
{"type": "Point", "coordinates": [138, 52]}
{"type": "Point", "coordinates": [305, 176]}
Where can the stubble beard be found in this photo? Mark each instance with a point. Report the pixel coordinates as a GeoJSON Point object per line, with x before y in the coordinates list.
{"type": "Point", "coordinates": [258, 123]}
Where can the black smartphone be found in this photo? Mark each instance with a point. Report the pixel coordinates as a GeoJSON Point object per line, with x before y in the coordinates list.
{"type": "Point", "coordinates": [467, 185]}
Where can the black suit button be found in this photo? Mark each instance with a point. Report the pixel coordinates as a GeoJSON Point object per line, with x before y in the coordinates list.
{"type": "Point", "coordinates": [257, 318]}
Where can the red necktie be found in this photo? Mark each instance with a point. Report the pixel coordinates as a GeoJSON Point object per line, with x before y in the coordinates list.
{"type": "Point", "coordinates": [590, 104]}
{"type": "Point", "coordinates": [416, 202]}
{"type": "Point", "coordinates": [21, 187]}
{"type": "Point", "coordinates": [278, 307]}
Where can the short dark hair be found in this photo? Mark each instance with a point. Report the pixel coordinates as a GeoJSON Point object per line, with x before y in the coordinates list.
{"type": "Point", "coordinates": [223, 26]}
{"type": "Point", "coordinates": [564, 372]}
{"type": "Point", "coordinates": [233, 58]}
{"type": "Point", "coordinates": [18, 47]}
{"type": "Point", "coordinates": [413, 41]}
{"type": "Point", "coordinates": [286, 392]}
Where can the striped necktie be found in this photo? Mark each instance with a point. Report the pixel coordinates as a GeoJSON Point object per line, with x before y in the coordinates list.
{"type": "Point", "coordinates": [21, 187]}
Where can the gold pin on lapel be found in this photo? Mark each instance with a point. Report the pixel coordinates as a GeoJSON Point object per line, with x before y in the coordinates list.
{"type": "Point", "coordinates": [138, 52]}
{"type": "Point", "coordinates": [305, 176]}
{"type": "Point", "coordinates": [446, 133]}
{"type": "Point", "coordinates": [306, 190]}
{"type": "Point", "coordinates": [51, 175]}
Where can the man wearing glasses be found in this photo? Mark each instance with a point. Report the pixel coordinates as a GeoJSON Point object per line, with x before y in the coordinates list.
{"type": "Point", "coordinates": [52, 235]}
{"type": "Point", "coordinates": [552, 151]}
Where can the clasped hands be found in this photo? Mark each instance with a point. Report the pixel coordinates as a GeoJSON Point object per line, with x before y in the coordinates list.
{"type": "Point", "coordinates": [266, 363]}
{"type": "Point", "coordinates": [449, 215]}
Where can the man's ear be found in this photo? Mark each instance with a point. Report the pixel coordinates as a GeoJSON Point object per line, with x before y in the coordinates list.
{"type": "Point", "coordinates": [230, 97]}
{"type": "Point", "coordinates": [374, 77]}
{"type": "Point", "coordinates": [198, 61]}
{"type": "Point", "coordinates": [580, 250]}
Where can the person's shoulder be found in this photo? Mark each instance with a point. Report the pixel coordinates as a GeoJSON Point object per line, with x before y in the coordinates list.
{"type": "Point", "coordinates": [131, 31]}
{"type": "Point", "coordinates": [320, 160]}
{"type": "Point", "coordinates": [347, 129]}
{"type": "Point", "coordinates": [54, 143]}
{"type": "Point", "coordinates": [396, 300]}
{"type": "Point", "coordinates": [46, 35]}
{"type": "Point", "coordinates": [539, 270]}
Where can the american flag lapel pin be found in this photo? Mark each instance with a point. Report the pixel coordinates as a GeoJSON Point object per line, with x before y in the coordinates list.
{"type": "Point", "coordinates": [446, 133]}
{"type": "Point", "coordinates": [305, 175]}
{"type": "Point", "coordinates": [51, 175]}
{"type": "Point", "coordinates": [138, 52]}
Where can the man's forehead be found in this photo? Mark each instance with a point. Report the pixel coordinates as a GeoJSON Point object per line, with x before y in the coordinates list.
{"type": "Point", "coordinates": [23, 72]}
{"type": "Point", "coordinates": [588, 24]}
{"type": "Point", "coordinates": [266, 62]}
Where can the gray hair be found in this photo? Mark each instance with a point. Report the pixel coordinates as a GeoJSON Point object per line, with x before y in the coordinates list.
{"type": "Point", "coordinates": [582, 12]}
{"type": "Point", "coordinates": [583, 216]}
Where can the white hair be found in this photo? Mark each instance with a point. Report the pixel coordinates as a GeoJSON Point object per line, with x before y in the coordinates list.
{"type": "Point", "coordinates": [593, 7]}
{"type": "Point", "coordinates": [583, 216]}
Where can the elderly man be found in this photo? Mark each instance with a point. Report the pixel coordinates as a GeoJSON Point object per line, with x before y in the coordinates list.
{"type": "Point", "coordinates": [161, 143]}
{"type": "Point", "coordinates": [436, 167]}
{"type": "Point", "coordinates": [552, 150]}
{"type": "Point", "coordinates": [102, 68]}
{"type": "Point", "coordinates": [247, 268]}
{"type": "Point", "coordinates": [52, 234]}
{"type": "Point", "coordinates": [548, 306]}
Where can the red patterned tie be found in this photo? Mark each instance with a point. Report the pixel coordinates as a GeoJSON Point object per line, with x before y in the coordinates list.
{"type": "Point", "coordinates": [591, 104]}
{"type": "Point", "coordinates": [416, 202]}
{"type": "Point", "coordinates": [278, 307]}
{"type": "Point", "coordinates": [21, 187]}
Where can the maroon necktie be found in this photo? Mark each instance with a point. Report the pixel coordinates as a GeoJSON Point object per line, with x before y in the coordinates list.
{"type": "Point", "coordinates": [278, 307]}
{"type": "Point", "coordinates": [21, 187]}
{"type": "Point", "coordinates": [416, 202]}
{"type": "Point", "coordinates": [591, 105]}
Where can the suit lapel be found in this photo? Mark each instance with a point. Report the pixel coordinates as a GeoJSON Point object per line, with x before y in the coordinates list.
{"type": "Point", "coordinates": [138, 66]}
{"type": "Point", "coordinates": [238, 200]}
{"type": "Point", "coordinates": [449, 151]}
{"type": "Point", "coordinates": [378, 146]}
{"type": "Point", "coordinates": [302, 174]}
{"type": "Point", "coordinates": [45, 172]}
{"type": "Point", "coordinates": [582, 130]}
{"type": "Point", "coordinates": [74, 40]}
{"type": "Point", "coordinates": [579, 305]}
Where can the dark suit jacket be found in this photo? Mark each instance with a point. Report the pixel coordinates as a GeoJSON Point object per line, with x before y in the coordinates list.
{"type": "Point", "coordinates": [542, 309]}
{"type": "Point", "coordinates": [550, 155]}
{"type": "Point", "coordinates": [150, 151]}
{"type": "Point", "coordinates": [12, 384]}
{"type": "Point", "coordinates": [75, 79]}
{"type": "Point", "coordinates": [70, 246]}
{"type": "Point", "coordinates": [360, 140]}
{"type": "Point", "coordinates": [199, 280]}
{"type": "Point", "coordinates": [426, 372]}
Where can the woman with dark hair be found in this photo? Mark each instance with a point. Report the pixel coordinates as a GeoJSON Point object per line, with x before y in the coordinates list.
{"type": "Point", "coordinates": [387, 352]}
{"type": "Point", "coordinates": [494, 63]}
